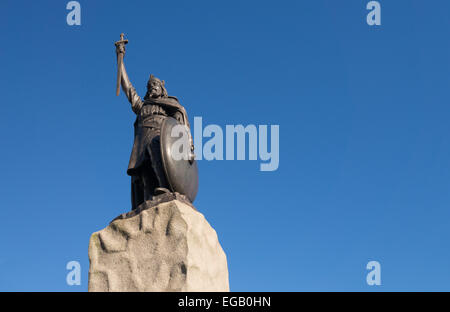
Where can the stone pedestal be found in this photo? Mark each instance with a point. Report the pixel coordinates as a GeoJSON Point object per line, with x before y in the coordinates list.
{"type": "Point", "coordinates": [166, 246]}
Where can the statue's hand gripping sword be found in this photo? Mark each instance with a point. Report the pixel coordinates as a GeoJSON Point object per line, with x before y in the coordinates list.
{"type": "Point", "coordinates": [120, 47]}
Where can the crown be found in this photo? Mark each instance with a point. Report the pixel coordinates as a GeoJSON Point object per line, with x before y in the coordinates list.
{"type": "Point", "coordinates": [153, 78]}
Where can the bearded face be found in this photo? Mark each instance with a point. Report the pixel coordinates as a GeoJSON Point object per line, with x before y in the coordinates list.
{"type": "Point", "coordinates": [155, 89]}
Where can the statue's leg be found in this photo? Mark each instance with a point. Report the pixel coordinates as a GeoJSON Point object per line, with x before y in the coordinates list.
{"type": "Point", "coordinates": [150, 181]}
{"type": "Point", "coordinates": [137, 192]}
{"type": "Point", "coordinates": [157, 166]}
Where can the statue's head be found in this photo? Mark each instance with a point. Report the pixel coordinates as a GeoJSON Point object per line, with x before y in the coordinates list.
{"type": "Point", "coordinates": [155, 88]}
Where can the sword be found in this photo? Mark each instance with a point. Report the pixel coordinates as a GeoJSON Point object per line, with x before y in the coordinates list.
{"type": "Point", "coordinates": [119, 63]}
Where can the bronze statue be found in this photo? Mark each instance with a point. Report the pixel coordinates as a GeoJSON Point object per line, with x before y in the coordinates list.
{"type": "Point", "coordinates": [153, 172]}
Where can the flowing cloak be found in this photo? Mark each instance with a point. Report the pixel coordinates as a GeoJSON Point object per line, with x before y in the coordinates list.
{"type": "Point", "coordinates": [147, 130]}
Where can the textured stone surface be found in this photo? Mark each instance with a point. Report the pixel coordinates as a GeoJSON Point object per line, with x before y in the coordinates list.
{"type": "Point", "coordinates": [168, 247]}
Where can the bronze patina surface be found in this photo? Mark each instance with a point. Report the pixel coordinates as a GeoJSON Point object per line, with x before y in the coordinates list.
{"type": "Point", "coordinates": [150, 175]}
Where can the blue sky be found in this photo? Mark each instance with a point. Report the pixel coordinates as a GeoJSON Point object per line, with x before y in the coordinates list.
{"type": "Point", "coordinates": [363, 112]}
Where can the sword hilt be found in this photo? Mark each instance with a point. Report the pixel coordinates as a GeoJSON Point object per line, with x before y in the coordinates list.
{"type": "Point", "coordinates": [121, 41]}
{"type": "Point", "coordinates": [120, 52]}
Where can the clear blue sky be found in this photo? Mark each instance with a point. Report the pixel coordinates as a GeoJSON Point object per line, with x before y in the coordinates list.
{"type": "Point", "coordinates": [364, 135]}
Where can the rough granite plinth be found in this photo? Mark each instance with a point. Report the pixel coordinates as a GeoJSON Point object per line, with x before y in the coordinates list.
{"type": "Point", "coordinates": [167, 247]}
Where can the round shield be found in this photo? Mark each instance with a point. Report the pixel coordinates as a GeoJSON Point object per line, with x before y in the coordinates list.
{"type": "Point", "coordinates": [180, 167]}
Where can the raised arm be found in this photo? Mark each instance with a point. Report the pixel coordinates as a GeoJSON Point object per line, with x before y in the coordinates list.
{"type": "Point", "coordinates": [127, 87]}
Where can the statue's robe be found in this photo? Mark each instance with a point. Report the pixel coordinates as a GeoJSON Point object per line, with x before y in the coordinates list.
{"type": "Point", "coordinates": [147, 130]}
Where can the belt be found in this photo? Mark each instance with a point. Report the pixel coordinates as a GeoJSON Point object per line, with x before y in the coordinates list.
{"type": "Point", "coordinates": [153, 121]}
